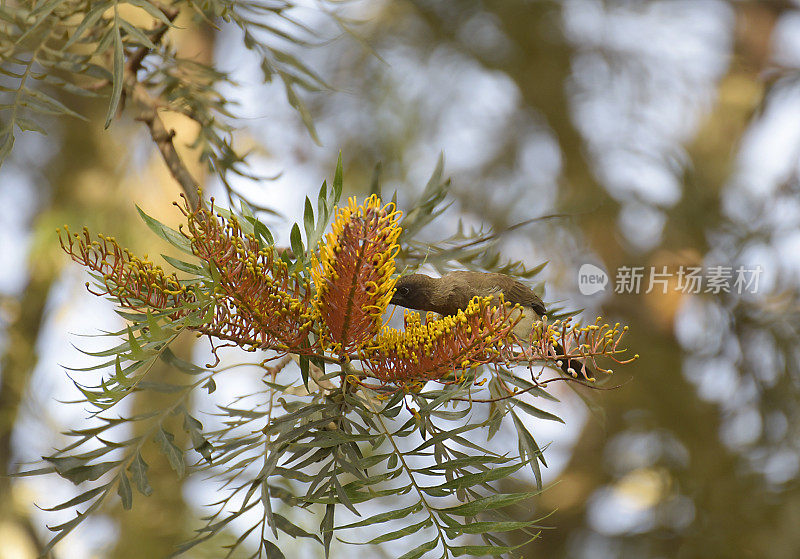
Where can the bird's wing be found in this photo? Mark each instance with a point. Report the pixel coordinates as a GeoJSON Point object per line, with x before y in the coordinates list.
{"type": "Point", "coordinates": [517, 292]}
{"type": "Point", "coordinates": [483, 284]}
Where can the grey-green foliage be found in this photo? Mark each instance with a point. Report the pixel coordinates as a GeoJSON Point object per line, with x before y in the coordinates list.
{"type": "Point", "coordinates": [311, 455]}
{"type": "Point", "coordinates": [51, 50]}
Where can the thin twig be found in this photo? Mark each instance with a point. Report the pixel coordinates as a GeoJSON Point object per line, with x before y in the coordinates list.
{"type": "Point", "coordinates": [149, 106]}
{"type": "Point", "coordinates": [163, 139]}
{"type": "Point", "coordinates": [136, 60]}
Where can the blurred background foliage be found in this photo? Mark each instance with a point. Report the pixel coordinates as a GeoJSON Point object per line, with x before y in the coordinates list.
{"type": "Point", "coordinates": [659, 133]}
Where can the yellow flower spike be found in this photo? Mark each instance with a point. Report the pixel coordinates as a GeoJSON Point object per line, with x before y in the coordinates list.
{"type": "Point", "coordinates": [353, 273]}
{"type": "Point", "coordinates": [441, 349]}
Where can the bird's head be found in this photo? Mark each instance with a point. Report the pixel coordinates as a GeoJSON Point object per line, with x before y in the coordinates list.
{"type": "Point", "coordinates": [414, 291]}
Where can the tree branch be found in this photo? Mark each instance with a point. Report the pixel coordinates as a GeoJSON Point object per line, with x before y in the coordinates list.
{"type": "Point", "coordinates": [162, 137]}
{"type": "Point", "coordinates": [163, 140]}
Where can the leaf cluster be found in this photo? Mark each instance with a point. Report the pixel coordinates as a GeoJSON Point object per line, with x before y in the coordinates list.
{"type": "Point", "coordinates": [54, 50]}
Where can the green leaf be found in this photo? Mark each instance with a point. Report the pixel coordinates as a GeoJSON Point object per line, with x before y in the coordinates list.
{"type": "Point", "coordinates": [338, 180]}
{"type": "Point", "coordinates": [300, 107]}
{"type": "Point", "coordinates": [170, 358]}
{"type": "Point", "coordinates": [483, 504]}
{"type": "Point", "coordinates": [46, 104]}
{"type": "Point", "coordinates": [247, 211]}
{"type": "Point", "coordinates": [138, 470]}
{"type": "Point", "coordinates": [287, 527]}
{"type": "Point", "coordinates": [150, 9]}
{"type": "Point", "coordinates": [273, 551]}
{"type": "Point", "coordinates": [491, 527]}
{"type": "Point", "coordinates": [266, 504]}
{"type": "Point", "coordinates": [425, 208]}
{"type": "Point", "coordinates": [304, 369]}
{"type": "Point", "coordinates": [124, 491]}
{"type": "Point", "coordinates": [81, 498]}
{"type": "Point", "coordinates": [6, 141]}
{"type": "Point", "coordinates": [296, 242]}
{"type": "Point", "coordinates": [67, 527]}
{"type": "Point", "coordinates": [323, 211]}
{"type": "Point", "coordinates": [466, 481]}
{"type": "Point", "coordinates": [27, 125]}
{"type": "Point", "coordinates": [162, 387]}
{"type": "Point", "coordinates": [421, 550]}
{"type": "Point", "coordinates": [262, 234]}
{"type": "Point", "coordinates": [91, 18]}
{"type": "Point", "coordinates": [319, 364]}
{"type": "Point", "coordinates": [195, 430]}
{"type": "Point", "coordinates": [173, 237]}
{"type": "Point", "coordinates": [326, 527]}
{"type": "Point", "coordinates": [174, 454]}
{"type": "Point", "coordinates": [446, 435]}
{"type": "Point", "coordinates": [536, 412]}
{"type": "Point", "coordinates": [343, 497]}
{"type": "Point", "coordinates": [154, 331]}
{"type": "Point", "coordinates": [118, 71]}
{"type": "Point", "coordinates": [76, 471]}
{"type": "Point", "coordinates": [403, 532]}
{"type": "Point", "coordinates": [136, 34]}
{"type": "Point", "coordinates": [384, 517]}
{"type": "Point", "coordinates": [105, 43]}
{"type": "Point", "coordinates": [529, 449]}
{"type": "Point", "coordinates": [187, 267]}
{"type": "Point", "coordinates": [482, 550]}
{"type": "Point", "coordinates": [375, 183]}
{"type": "Point", "coordinates": [293, 61]}
{"type": "Point", "coordinates": [308, 223]}
{"type": "Point", "coordinates": [463, 462]}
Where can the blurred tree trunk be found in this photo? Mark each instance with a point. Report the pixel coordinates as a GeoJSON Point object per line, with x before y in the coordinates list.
{"type": "Point", "coordinates": [58, 198]}
{"type": "Point", "coordinates": [16, 366]}
{"type": "Point", "coordinates": [727, 501]}
{"type": "Point", "coordinates": [158, 523]}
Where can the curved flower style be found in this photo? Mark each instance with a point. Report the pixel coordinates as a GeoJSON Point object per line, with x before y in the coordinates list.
{"type": "Point", "coordinates": [432, 351]}
{"type": "Point", "coordinates": [353, 274]}
{"type": "Point", "coordinates": [259, 303]}
{"type": "Point", "coordinates": [136, 283]}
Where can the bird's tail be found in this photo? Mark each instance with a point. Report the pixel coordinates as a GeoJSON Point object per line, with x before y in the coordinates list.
{"type": "Point", "coordinates": [572, 367]}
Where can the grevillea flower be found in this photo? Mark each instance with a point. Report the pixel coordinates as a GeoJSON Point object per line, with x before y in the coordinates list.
{"type": "Point", "coordinates": [135, 282]}
{"type": "Point", "coordinates": [440, 348]}
{"type": "Point", "coordinates": [259, 302]}
{"type": "Point", "coordinates": [576, 344]}
{"type": "Point", "coordinates": [353, 274]}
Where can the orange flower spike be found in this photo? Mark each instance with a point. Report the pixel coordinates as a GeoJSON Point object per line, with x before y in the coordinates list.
{"type": "Point", "coordinates": [353, 273]}
{"type": "Point", "coordinates": [136, 283]}
{"type": "Point", "coordinates": [259, 303]}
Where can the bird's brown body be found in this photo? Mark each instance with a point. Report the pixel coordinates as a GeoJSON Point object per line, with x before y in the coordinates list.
{"type": "Point", "coordinates": [453, 292]}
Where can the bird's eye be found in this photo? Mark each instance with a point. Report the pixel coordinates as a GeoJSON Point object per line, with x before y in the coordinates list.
{"type": "Point", "coordinates": [402, 291]}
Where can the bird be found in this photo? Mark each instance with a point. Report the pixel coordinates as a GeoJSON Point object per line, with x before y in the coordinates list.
{"type": "Point", "coordinates": [453, 292]}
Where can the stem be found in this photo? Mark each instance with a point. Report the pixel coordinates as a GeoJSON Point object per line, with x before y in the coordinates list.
{"type": "Point", "coordinates": [149, 114]}
{"type": "Point", "coordinates": [163, 140]}
{"type": "Point", "coordinates": [408, 471]}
